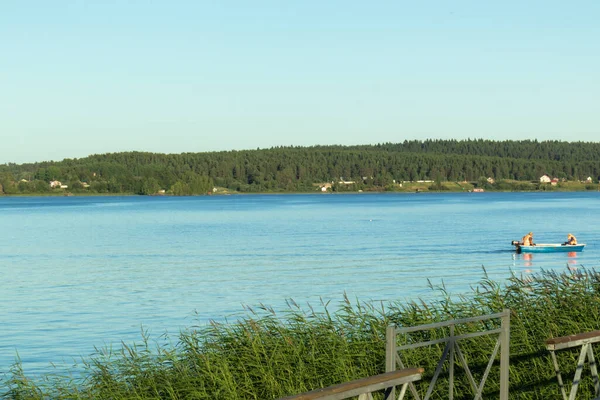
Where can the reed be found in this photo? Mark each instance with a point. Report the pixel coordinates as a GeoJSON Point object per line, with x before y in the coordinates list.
{"type": "Point", "coordinates": [267, 355]}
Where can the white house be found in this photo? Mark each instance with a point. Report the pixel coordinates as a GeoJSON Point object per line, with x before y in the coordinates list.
{"type": "Point", "coordinates": [54, 184]}
{"type": "Point", "coordinates": [545, 179]}
{"type": "Point", "coordinates": [325, 187]}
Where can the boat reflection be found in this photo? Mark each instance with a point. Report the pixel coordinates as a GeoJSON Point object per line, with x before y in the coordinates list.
{"type": "Point", "coordinates": [528, 258]}
{"type": "Point", "coordinates": [525, 260]}
{"type": "Point", "coordinates": [572, 259]}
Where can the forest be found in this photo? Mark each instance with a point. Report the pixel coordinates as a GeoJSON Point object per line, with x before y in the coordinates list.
{"type": "Point", "coordinates": [379, 167]}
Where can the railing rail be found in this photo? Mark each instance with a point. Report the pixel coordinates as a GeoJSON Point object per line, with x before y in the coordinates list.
{"type": "Point", "coordinates": [364, 387]}
{"type": "Point", "coordinates": [452, 352]}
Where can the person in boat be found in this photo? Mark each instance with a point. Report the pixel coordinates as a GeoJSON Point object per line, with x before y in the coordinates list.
{"type": "Point", "coordinates": [571, 240]}
{"type": "Point", "coordinates": [527, 240]}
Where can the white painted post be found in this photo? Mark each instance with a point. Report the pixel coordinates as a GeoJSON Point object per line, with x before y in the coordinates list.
{"type": "Point", "coordinates": [504, 354]}
{"type": "Point", "coordinates": [390, 357]}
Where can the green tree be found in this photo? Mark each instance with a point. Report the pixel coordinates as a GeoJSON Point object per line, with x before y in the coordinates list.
{"type": "Point", "coordinates": [149, 186]}
{"type": "Point", "coordinates": [200, 184]}
{"type": "Point", "coordinates": [40, 186]}
{"type": "Point", "coordinates": [75, 185]}
{"type": "Point", "coordinates": [99, 187]}
{"type": "Point", "coordinates": [181, 189]}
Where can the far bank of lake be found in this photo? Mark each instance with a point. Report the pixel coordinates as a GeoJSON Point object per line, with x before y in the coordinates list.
{"type": "Point", "coordinates": [421, 186]}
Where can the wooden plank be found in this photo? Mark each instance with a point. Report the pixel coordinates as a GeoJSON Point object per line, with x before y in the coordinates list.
{"type": "Point", "coordinates": [452, 322]}
{"type": "Point", "coordinates": [361, 386]}
{"type": "Point", "coordinates": [447, 339]}
{"type": "Point", "coordinates": [566, 342]}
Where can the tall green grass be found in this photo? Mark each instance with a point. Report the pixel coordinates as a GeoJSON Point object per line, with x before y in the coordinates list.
{"type": "Point", "coordinates": [267, 355]}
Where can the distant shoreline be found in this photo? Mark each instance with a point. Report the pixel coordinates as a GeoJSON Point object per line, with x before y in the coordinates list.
{"type": "Point", "coordinates": [365, 192]}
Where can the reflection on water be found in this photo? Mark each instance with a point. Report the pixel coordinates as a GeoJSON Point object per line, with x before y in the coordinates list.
{"type": "Point", "coordinates": [526, 260]}
{"type": "Point", "coordinates": [528, 257]}
{"type": "Point", "coordinates": [572, 261]}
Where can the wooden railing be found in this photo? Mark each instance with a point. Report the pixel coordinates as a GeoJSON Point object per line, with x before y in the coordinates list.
{"type": "Point", "coordinates": [453, 351]}
{"type": "Point", "coordinates": [584, 340]}
{"type": "Point", "coordinates": [364, 387]}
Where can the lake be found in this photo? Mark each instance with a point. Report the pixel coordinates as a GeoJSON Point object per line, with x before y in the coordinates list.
{"type": "Point", "coordinates": [80, 272]}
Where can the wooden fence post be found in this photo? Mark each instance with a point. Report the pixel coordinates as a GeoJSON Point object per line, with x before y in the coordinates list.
{"type": "Point", "coordinates": [390, 356]}
{"type": "Point", "coordinates": [504, 355]}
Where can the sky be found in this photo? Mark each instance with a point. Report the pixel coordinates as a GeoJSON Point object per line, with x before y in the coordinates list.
{"type": "Point", "coordinates": [91, 77]}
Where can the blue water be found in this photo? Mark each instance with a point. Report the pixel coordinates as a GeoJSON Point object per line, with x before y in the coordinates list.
{"type": "Point", "coordinates": [84, 272]}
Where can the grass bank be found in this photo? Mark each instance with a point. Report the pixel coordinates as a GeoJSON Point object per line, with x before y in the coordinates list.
{"type": "Point", "coordinates": [268, 355]}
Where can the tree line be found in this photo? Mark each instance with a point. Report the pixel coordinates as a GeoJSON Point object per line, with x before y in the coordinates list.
{"type": "Point", "coordinates": [299, 169]}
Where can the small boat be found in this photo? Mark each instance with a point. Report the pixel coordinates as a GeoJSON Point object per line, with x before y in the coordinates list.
{"type": "Point", "coordinates": [548, 247]}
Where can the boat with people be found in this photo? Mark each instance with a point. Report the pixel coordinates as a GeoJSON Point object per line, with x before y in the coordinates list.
{"type": "Point", "coordinates": [547, 247]}
{"type": "Point", "coordinates": [526, 245]}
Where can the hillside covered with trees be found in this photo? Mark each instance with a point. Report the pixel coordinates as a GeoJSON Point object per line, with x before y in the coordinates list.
{"type": "Point", "coordinates": [304, 169]}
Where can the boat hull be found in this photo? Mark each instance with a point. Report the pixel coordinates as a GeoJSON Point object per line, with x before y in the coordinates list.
{"type": "Point", "coordinates": [550, 248]}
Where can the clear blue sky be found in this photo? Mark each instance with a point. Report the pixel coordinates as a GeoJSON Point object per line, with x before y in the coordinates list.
{"type": "Point", "coordinates": [86, 77]}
